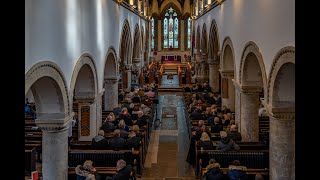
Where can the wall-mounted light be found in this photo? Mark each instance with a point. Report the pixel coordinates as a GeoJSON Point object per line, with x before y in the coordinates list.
{"type": "Point", "coordinates": [119, 1]}
{"type": "Point", "coordinates": [219, 1]}
{"type": "Point", "coordinates": [206, 5]}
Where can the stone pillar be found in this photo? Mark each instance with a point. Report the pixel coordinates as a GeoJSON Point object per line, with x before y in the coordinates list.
{"type": "Point", "coordinates": [213, 75]}
{"type": "Point", "coordinates": [249, 108]}
{"type": "Point", "coordinates": [127, 80]}
{"type": "Point", "coordinates": [98, 102]}
{"type": "Point", "coordinates": [137, 68]}
{"type": "Point", "coordinates": [182, 28]}
{"type": "Point", "coordinates": [159, 36]}
{"type": "Point", "coordinates": [110, 94]}
{"type": "Point", "coordinates": [227, 89]}
{"type": "Point", "coordinates": [237, 103]}
{"type": "Point", "coordinates": [54, 145]}
{"type": "Point", "coordinates": [282, 144]}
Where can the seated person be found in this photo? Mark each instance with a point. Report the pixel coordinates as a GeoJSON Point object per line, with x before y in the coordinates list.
{"type": "Point", "coordinates": [108, 125]}
{"type": "Point", "coordinates": [234, 134]}
{"type": "Point", "coordinates": [196, 114]}
{"type": "Point", "coordinates": [133, 141]}
{"type": "Point", "coordinates": [86, 171]}
{"type": "Point", "coordinates": [124, 129]}
{"type": "Point", "coordinates": [237, 172]}
{"type": "Point", "coordinates": [123, 171]}
{"type": "Point", "coordinates": [205, 142]}
{"type": "Point", "coordinates": [225, 143]}
{"type": "Point", "coordinates": [213, 171]}
{"type": "Point", "coordinates": [142, 120]}
{"type": "Point", "coordinates": [125, 116]}
{"type": "Point", "coordinates": [117, 142]}
{"type": "Point", "coordinates": [99, 141]}
{"type": "Point", "coordinates": [216, 128]}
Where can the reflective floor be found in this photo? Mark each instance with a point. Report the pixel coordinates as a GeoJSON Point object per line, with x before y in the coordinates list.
{"type": "Point", "coordinates": [169, 143]}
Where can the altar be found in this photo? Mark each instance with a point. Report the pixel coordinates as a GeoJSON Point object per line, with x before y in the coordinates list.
{"type": "Point", "coordinates": [170, 59]}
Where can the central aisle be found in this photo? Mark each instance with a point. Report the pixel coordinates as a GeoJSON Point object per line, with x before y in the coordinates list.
{"type": "Point", "coordinates": [169, 143]}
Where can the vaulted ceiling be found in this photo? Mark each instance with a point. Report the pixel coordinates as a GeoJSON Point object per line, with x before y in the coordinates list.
{"type": "Point", "coordinates": [161, 1]}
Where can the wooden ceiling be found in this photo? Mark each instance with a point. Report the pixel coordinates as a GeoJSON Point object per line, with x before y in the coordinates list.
{"type": "Point", "coordinates": [161, 1]}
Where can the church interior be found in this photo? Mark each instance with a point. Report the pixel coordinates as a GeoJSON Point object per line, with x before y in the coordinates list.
{"type": "Point", "coordinates": [159, 89]}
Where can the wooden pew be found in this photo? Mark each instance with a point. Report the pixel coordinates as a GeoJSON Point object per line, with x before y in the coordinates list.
{"type": "Point", "coordinates": [251, 172]}
{"type": "Point", "coordinates": [254, 159]}
{"type": "Point", "coordinates": [30, 159]}
{"type": "Point", "coordinates": [106, 158]}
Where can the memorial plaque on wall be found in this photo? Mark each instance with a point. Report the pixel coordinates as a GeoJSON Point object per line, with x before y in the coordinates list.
{"type": "Point", "coordinates": [225, 88]}
{"type": "Point", "coordinates": [85, 121]}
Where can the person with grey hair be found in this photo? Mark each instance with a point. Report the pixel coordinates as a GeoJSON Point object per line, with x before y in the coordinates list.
{"type": "Point", "coordinates": [234, 134]}
{"type": "Point", "coordinates": [141, 120]}
{"type": "Point", "coordinates": [99, 141]}
{"type": "Point", "coordinates": [86, 171]}
{"type": "Point", "coordinates": [124, 171]}
{"type": "Point", "coordinates": [108, 125]}
{"type": "Point", "coordinates": [225, 143]}
{"type": "Point", "coordinates": [117, 142]}
{"type": "Point", "coordinates": [216, 128]}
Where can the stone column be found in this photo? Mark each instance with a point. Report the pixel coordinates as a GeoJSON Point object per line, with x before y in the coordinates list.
{"type": "Point", "coordinates": [110, 94]}
{"type": "Point", "coordinates": [249, 108]}
{"type": "Point", "coordinates": [54, 145]}
{"type": "Point", "coordinates": [237, 103]}
{"type": "Point", "coordinates": [282, 144]}
{"type": "Point", "coordinates": [137, 68]}
{"type": "Point", "coordinates": [182, 28]}
{"type": "Point", "coordinates": [159, 36]}
{"type": "Point", "coordinates": [127, 80]}
{"type": "Point", "coordinates": [227, 89]}
{"type": "Point", "coordinates": [213, 75]}
{"type": "Point", "coordinates": [98, 102]}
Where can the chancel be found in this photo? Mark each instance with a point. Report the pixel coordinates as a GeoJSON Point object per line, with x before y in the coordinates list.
{"type": "Point", "coordinates": [153, 89]}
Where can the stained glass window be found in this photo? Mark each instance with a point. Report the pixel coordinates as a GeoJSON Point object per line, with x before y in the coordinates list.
{"type": "Point", "coordinates": [152, 33]}
{"type": "Point", "coordinates": [170, 29]}
{"type": "Point", "coordinates": [189, 33]}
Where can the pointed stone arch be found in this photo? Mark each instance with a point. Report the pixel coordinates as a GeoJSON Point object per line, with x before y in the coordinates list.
{"type": "Point", "coordinates": [125, 53]}
{"type": "Point", "coordinates": [204, 41]}
{"type": "Point", "coordinates": [213, 43]}
{"type": "Point", "coordinates": [49, 89]}
{"type": "Point", "coordinates": [213, 58]}
{"type": "Point", "coordinates": [198, 47]}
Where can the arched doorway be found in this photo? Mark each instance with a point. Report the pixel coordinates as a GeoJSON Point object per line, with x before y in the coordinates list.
{"type": "Point", "coordinates": [125, 50]}
{"type": "Point", "coordinates": [47, 84]}
{"type": "Point", "coordinates": [252, 84]}
{"type": "Point", "coordinates": [136, 56]}
{"type": "Point", "coordinates": [227, 73]}
{"type": "Point", "coordinates": [110, 81]}
{"type": "Point", "coordinates": [281, 107]}
{"type": "Point", "coordinates": [83, 91]}
{"type": "Point", "coordinates": [213, 58]}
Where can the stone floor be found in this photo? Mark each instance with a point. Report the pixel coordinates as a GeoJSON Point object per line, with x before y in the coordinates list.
{"type": "Point", "coordinates": [169, 143]}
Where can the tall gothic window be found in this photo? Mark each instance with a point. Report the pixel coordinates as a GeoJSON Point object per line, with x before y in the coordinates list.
{"type": "Point", "coordinates": [189, 33]}
{"type": "Point", "coordinates": [170, 29]}
{"type": "Point", "coordinates": [152, 33]}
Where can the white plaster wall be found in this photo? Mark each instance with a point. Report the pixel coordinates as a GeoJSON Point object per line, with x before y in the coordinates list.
{"type": "Point", "coordinates": [269, 23]}
{"type": "Point", "coordinates": [61, 30]}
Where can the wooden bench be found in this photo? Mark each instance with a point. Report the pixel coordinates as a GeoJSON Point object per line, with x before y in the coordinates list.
{"type": "Point", "coordinates": [30, 159]}
{"type": "Point", "coordinates": [251, 172]}
{"type": "Point", "coordinates": [253, 159]}
{"type": "Point", "coordinates": [106, 158]}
